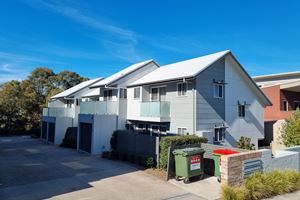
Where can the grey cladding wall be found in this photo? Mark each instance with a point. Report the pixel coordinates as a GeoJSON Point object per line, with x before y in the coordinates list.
{"type": "Point", "coordinates": [210, 110]}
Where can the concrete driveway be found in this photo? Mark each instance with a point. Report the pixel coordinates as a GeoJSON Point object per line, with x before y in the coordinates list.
{"type": "Point", "coordinates": [31, 169]}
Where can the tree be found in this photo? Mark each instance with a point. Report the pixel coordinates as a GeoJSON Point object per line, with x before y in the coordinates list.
{"type": "Point", "coordinates": [11, 113]}
{"type": "Point", "coordinates": [245, 143]}
{"type": "Point", "coordinates": [67, 79]}
{"type": "Point", "coordinates": [290, 131]}
{"type": "Point", "coordinates": [21, 103]}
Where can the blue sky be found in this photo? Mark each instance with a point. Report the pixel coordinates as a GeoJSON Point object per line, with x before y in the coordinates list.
{"type": "Point", "coordinates": [97, 38]}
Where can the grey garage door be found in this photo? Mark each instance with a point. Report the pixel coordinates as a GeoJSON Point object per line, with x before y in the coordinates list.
{"type": "Point", "coordinates": [51, 132]}
{"type": "Point", "coordinates": [85, 137]}
{"type": "Point", "coordinates": [44, 130]}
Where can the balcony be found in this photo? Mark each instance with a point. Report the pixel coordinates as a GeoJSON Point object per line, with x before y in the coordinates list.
{"type": "Point", "coordinates": [59, 112]}
{"type": "Point", "coordinates": [98, 107]}
{"type": "Point", "coordinates": [155, 111]}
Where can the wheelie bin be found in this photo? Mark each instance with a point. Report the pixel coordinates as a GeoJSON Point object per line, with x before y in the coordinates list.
{"type": "Point", "coordinates": [217, 160]}
{"type": "Point", "coordinates": [189, 163]}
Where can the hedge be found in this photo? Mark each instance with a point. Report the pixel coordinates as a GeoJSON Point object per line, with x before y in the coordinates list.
{"type": "Point", "coordinates": [260, 186]}
{"type": "Point", "coordinates": [169, 141]}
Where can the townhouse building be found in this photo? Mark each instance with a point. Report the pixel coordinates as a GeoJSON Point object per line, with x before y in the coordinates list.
{"type": "Point", "coordinates": [211, 96]}
{"type": "Point", "coordinates": [62, 112]}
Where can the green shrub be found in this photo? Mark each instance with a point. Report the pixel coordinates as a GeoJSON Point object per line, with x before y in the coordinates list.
{"type": "Point", "coordinates": [149, 162]}
{"type": "Point", "coordinates": [290, 132]}
{"type": "Point", "coordinates": [169, 141]}
{"type": "Point", "coordinates": [113, 140]}
{"type": "Point", "coordinates": [245, 143]}
{"type": "Point", "coordinates": [259, 186]}
{"type": "Point", "coordinates": [234, 193]}
{"type": "Point", "coordinates": [256, 185]}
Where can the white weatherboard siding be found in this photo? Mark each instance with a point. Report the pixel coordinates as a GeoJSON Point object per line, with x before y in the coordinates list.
{"type": "Point", "coordinates": [181, 107]}
{"type": "Point", "coordinates": [103, 128]}
{"type": "Point", "coordinates": [56, 104]}
{"type": "Point", "coordinates": [238, 88]}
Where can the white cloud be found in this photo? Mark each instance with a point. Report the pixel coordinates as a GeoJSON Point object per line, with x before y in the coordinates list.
{"type": "Point", "coordinates": [9, 72]}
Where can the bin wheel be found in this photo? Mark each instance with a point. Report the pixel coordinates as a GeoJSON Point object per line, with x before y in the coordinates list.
{"type": "Point", "coordinates": [186, 181]}
{"type": "Point", "coordinates": [219, 179]}
{"type": "Point", "coordinates": [177, 178]}
{"type": "Point", "coordinates": [201, 176]}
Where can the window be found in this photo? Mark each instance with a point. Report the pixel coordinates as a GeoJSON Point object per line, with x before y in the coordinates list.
{"type": "Point", "coordinates": [218, 90]}
{"type": "Point", "coordinates": [107, 95]}
{"type": "Point", "coordinates": [285, 106]}
{"type": "Point", "coordinates": [296, 105]}
{"type": "Point", "coordinates": [219, 134]}
{"type": "Point", "coordinates": [241, 110]}
{"type": "Point", "coordinates": [78, 102]}
{"type": "Point", "coordinates": [181, 131]}
{"type": "Point", "coordinates": [69, 103]}
{"type": "Point", "coordinates": [136, 94]}
{"type": "Point", "coordinates": [123, 93]}
{"type": "Point", "coordinates": [181, 89]}
{"type": "Point", "coordinates": [154, 94]}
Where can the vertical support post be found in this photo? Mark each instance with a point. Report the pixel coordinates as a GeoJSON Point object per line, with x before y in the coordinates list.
{"type": "Point", "coordinates": [157, 151]}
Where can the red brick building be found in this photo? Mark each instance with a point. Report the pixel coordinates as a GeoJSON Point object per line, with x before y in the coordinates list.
{"type": "Point", "coordinates": [284, 92]}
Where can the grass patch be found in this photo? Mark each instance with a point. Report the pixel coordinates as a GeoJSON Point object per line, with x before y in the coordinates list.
{"type": "Point", "coordinates": [259, 186]}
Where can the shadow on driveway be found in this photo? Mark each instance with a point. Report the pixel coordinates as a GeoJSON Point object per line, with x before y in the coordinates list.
{"type": "Point", "coordinates": [32, 169]}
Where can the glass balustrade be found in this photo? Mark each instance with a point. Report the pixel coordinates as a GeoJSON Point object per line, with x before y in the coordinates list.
{"type": "Point", "coordinates": [59, 112]}
{"type": "Point", "coordinates": [98, 107]}
{"type": "Point", "coordinates": [155, 109]}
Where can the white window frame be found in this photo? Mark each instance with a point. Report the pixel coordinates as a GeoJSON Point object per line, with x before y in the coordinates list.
{"type": "Point", "coordinates": [218, 135]}
{"type": "Point", "coordinates": [214, 91]}
{"type": "Point", "coordinates": [137, 98]}
{"type": "Point", "coordinates": [180, 94]}
{"type": "Point", "coordinates": [123, 93]}
{"type": "Point", "coordinates": [157, 94]}
{"type": "Point", "coordinates": [287, 105]}
{"type": "Point", "coordinates": [241, 116]}
{"type": "Point", "coordinates": [182, 133]}
{"type": "Point", "coordinates": [108, 98]}
{"type": "Point", "coordinates": [158, 87]}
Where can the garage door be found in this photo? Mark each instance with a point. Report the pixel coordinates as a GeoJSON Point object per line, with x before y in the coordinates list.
{"type": "Point", "coordinates": [85, 137]}
{"type": "Point", "coordinates": [44, 130]}
{"type": "Point", "coordinates": [51, 132]}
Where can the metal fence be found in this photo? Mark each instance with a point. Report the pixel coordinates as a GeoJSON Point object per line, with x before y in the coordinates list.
{"type": "Point", "coordinates": [137, 144]}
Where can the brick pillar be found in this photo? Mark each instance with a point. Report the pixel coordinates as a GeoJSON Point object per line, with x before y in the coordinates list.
{"type": "Point", "coordinates": [232, 167]}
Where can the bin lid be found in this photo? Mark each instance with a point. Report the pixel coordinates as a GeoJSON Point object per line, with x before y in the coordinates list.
{"type": "Point", "coordinates": [188, 151]}
{"type": "Point", "coordinates": [224, 152]}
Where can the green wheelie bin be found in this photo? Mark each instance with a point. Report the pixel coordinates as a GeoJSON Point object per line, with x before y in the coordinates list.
{"type": "Point", "coordinates": [189, 163]}
{"type": "Point", "coordinates": [217, 160]}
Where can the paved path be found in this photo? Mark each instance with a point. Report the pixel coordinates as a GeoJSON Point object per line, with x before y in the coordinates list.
{"type": "Point", "coordinates": [31, 169]}
{"type": "Point", "coordinates": [291, 196]}
{"type": "Point", "coordinates": [208, 188]}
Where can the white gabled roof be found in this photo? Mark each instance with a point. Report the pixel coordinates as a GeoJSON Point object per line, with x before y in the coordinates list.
{"type": "Point", "coordinates": [183, 69]}
{"type": "Point", "coordinates": [279, 75]}
{"type": "Point", "coordinates": [121, 74]}
{"type": "Point", "coordinates": [92, 92]}
{"type": "Point", "coordinates": [76, 88]}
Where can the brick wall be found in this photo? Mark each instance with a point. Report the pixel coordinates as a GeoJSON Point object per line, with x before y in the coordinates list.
{"type": "Point", "coordinates": [209, 148]}
{"type": "Point", "coordinates": [232, 166]}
